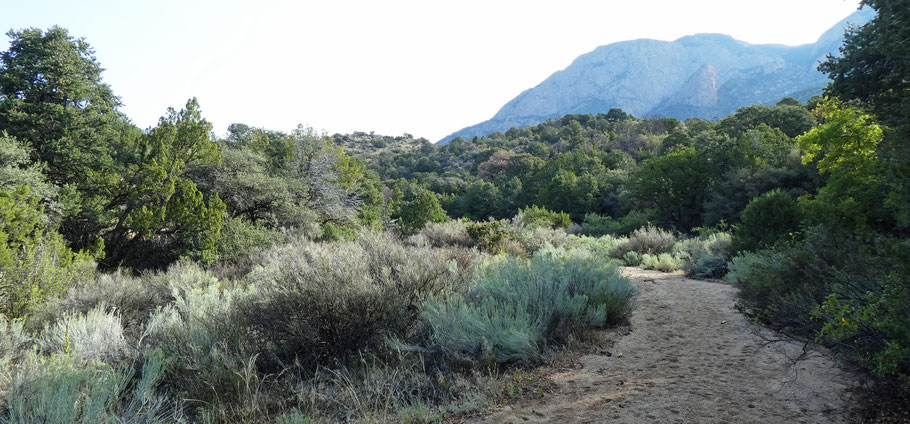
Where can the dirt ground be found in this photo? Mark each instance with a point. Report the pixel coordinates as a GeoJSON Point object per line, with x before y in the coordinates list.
{"type": "Point", "coordinates": [689, 357]}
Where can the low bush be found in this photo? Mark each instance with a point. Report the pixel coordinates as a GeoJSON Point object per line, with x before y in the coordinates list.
{"type": "Point", "coordinates": [705, 257]}
{"type": "Point", "coordinates": [318, 303]}
{"type": "Point", "coordinates": [95, 335]}
{"type": "Point", "coordinates": [60, 389]}
{"type": "Point", "coordinates": [240, 237]}
{"type": "Point", "coordinates": [599, 225]}
{"type": "Point", "coordinates": [200, 334]}
{"type": "Point", "coordinates": [134, 298]}
{"type": "Point", "coordinates": [332, 232]}
{"type": "Point", "coordinates": [447, 234]}
{"type": "Point", "coordinates": [663, 262]}
{"type": "Point", "coordinates": [848, 291]}
{"type": "Point", "coordinates": [650, 240]}
{"type": "Point", "coordinates": [535, 239]}
{"type": "Point", "coordinates": [488, 235]}
{"type": "Point", "coordinates": [782, 287]}
{"type": "Point", "coordinates": [631, 258]}
{"type": "Point", "coordinates": [516, 308]}
{"type": "Point", "coordinates": [535, 216]}
{"type": "Point", "coordinates": [14, 341]}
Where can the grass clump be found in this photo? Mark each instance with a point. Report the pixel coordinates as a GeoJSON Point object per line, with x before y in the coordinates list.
{"type": "Point", "coordinates": [663, 262]}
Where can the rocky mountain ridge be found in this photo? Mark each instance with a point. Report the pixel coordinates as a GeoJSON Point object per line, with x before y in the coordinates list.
{"type": "Point", "coordinates": [704, 75]}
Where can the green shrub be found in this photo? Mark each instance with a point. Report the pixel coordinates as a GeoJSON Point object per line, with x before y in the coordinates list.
{"type": "Point", "coordinates": [240, 237]}
{"type": "Point", "coordinates": [516, 307]}
{"type": "Point", "coordinates": [35, 263]}
{"type": "Point", "coordinates": [488, 235]}
{"type": "Point", "coordinates": [663, 262]}
{"type": "Point", "coordinates": [650, 240]}
{"type": "Point", "coordinates": [320, 303]}
{"type": "Point", "coordinates": [415, 213]}
{"type": "Point", "coordinates": [631, 258]}
{"type": "Point", "coordinates": [705, 257]}
{"type": "Point", "coordinates": [767, 219]}
{"type": "Point", "coordinates": [599, 225]}
{"type": "Point", "coordinates": [535, 216]}
{"type": "Point", "coordinates": [332, 232]}
{"type": "Point", "coordinates": [537, 238]}
{"type": "Point", "coordinates": [782, 287]}
{"type": "Point", "coordinates": [849, 291]}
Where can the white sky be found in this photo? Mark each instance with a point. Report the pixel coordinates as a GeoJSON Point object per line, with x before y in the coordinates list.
{"type": "Point", "coordinates": [427, 67]}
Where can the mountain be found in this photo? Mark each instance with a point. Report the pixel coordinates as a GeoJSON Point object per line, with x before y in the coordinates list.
{"type": "Point", "coordinates": [704, 75]}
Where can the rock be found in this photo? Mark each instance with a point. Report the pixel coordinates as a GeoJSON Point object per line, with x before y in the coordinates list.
{"type": "Point", "coordinates": [704, 75]}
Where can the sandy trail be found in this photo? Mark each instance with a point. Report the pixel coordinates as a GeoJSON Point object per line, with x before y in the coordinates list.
{"type": "Point", "coordinates": [689, 357]}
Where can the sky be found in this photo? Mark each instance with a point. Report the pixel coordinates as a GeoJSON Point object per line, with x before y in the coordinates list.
{"type": "Point", "coordinates": [426, 68]}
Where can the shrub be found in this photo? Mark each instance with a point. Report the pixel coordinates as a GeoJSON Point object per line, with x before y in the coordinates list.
{"type": "Point", "coordinates": [533, 240]}
{"type": "Point", "coordinates": [416, 213]}
{"type": "Point", "coordinates": [705, 257]}
{"type": "Point", "coordinates": [447, 234]}
{"type": "Point", "coordinates": [631, 258]}
{"type": "Point", "coordinates": [781, 287]}
{"type": "Point", "coordinates": [849, 291]}
{"type": "Point", "coordinates": [35, 263]}
{"type": "Point", "coordinates": [332, 232]}
{"type": "Point", "coordinates": [203, 339]}
{"type": "Point", "coordinates": [62, 390]}
{"type": "Point", "coordinates": [95, 335]}
{"type": "Point", "coordinates": [535, 216]}
{"type": "Point", "coordinates": [663, 262]}
{"type": "Point", "coordinates": [599, 225]}
{"type": "Point", "coordinates": [516, 308]}
{"type": "Point", "coordinates": [650, 240]}
{"type": "Point", "coordinates": [134, 298]}
{"type": "Point", "coordinates": [240, 237]}
{"type": "Point", "coordinates": [321, 303]}
{"type": "Point", "coordinates": [488, 235]}
{"type": "Point", "coordinates": [13, 341]}
{"type": "Point", "coordinates": [766, 220]}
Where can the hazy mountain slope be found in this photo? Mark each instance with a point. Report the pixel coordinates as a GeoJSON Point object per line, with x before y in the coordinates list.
{"type": "Point", "coordinates": [703, 75]}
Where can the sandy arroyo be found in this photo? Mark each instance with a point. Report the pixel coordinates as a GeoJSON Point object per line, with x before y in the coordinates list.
{"type": "Point", "coordinates": [689, 357]}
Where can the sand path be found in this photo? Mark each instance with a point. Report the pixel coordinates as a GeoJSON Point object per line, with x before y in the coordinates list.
{"type": "Point", "coordinates": [689, 357]}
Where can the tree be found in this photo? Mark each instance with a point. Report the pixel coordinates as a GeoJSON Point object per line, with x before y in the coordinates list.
{"type": "Point", "coordinates": [857, 194]}
{"type": "Point", "coordinates": [159, 213]}
{"type": "Point", "coordinates": [675, 186]}
{"type": "Point", "coordinates": [414, 207]}
{"type": "Point", "coordinates": [767, 219]}
{"type": "Point", "coordinates": [125, 185]}
{"type": "Point", "coordinates": [53, 99]}
{"type": "Point", "coordinates": [874, 64]}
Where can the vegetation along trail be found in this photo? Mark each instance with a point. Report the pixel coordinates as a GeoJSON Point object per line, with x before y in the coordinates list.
{"type": "Point", "coordinates": [690, 357]}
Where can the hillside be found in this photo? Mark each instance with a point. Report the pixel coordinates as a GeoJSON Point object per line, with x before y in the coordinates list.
{"type": "Point", "coordinates": [704, 75]}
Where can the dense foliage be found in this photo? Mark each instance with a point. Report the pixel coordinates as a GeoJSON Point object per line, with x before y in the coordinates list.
{"type": "Point", "coordinates": [168, 274]}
